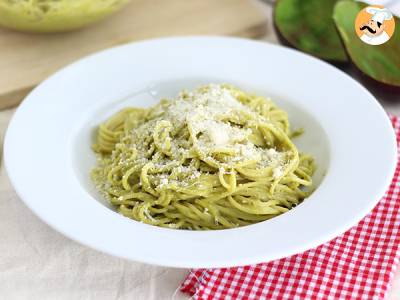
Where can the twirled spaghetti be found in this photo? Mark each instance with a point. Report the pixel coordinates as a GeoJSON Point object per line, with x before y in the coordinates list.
{"type": "Point", "coordinates": [213, 158]}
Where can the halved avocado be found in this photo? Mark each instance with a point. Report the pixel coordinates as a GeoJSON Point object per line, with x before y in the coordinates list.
{"type": "Point", "coordinates": [382, 62]}
{"type": "Point", "coordinates": [308, 26]}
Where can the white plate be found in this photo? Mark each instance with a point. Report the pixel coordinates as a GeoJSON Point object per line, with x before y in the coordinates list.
{"type": "Point", "coordinates": [48, 156]}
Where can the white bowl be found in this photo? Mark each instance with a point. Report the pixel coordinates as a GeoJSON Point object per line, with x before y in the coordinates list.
{"type": "Point", "coordinates": [48, 156]}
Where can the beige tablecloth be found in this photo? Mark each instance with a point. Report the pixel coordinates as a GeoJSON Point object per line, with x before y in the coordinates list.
{"type": "Point", "coordinates": [37, 262]}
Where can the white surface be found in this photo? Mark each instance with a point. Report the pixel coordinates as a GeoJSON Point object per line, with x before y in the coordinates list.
{"type": "Point", "coordinates": [57, 119]}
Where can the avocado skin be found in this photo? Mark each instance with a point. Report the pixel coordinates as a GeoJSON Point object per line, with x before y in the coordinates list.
{"type": "Point", "coordinates": [298, 26]}
{"type": "Point", "coordinates": [378, 67]}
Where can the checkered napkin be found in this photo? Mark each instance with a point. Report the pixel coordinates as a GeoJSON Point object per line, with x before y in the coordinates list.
{"type": "Point", "coordinates": [359, 264]}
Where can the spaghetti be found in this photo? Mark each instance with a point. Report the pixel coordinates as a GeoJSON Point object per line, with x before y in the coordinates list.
{"type": "Point", "coordinates": [213, 158]}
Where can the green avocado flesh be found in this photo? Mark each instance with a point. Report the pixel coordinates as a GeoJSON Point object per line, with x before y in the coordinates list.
{"type": "Point", "coordinates": [308, 26]}
{"type": "Point", "coordinates": [382, 62]}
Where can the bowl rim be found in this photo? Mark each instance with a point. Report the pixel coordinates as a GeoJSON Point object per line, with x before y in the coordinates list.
{"type": "Point", "coordinates": [201, 254]}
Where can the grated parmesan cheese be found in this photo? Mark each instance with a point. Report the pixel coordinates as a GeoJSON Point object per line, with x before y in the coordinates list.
{"type": "Point", "coordinates": [277, 172]}
{"type": "Point", "coordinates": [206, 112]}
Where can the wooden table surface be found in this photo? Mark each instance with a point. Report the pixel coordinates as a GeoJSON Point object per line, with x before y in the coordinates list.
{"type": "Point", "coordinates": [27, 59]}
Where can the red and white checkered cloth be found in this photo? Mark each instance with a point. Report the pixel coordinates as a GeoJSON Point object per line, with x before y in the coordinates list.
{"type": "Point", "coordinates": [359, 264]}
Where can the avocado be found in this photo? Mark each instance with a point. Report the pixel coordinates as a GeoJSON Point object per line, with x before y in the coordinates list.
{"type": "Point", "coordinates": [308, 26]}
{"type": "Point", "coordinates": [379, 65]}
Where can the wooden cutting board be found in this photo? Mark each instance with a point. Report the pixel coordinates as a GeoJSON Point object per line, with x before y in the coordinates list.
{"type": "Point", "coordinates": [27, 59]}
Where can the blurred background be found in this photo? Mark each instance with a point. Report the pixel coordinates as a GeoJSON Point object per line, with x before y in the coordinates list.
{"type": "Point", "coordinates": [37, 37]}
